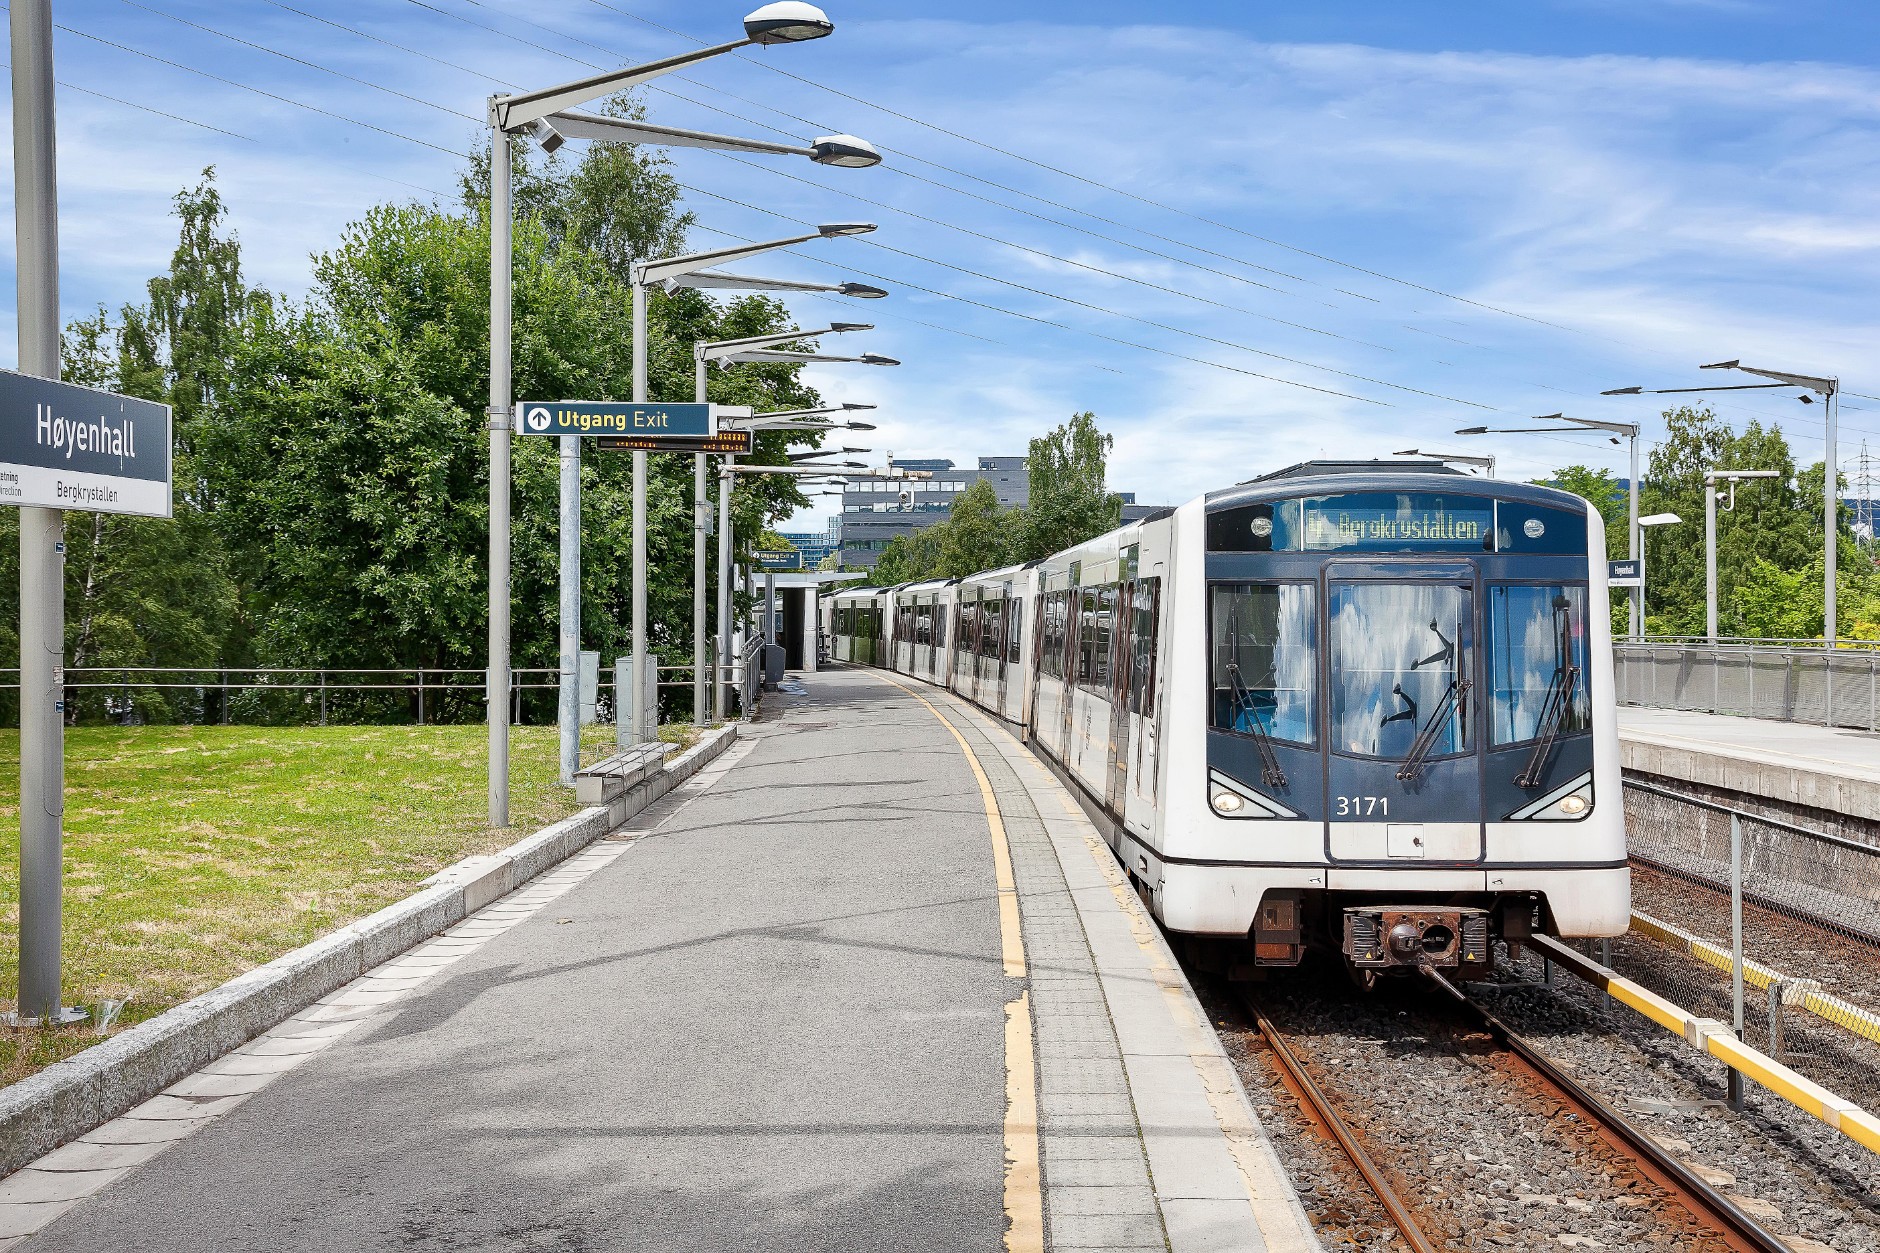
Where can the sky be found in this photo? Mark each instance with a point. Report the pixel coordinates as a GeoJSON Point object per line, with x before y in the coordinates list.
{"type": "Point", "coordinates": [1244, 233]}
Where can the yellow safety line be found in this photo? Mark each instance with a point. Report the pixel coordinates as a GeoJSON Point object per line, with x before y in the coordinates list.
{"type": "Point", "coordinates": [1024, 1182]}
{"type": "Point", "coordinates": [1715, 1038]}
{"type": "Point", "coordinates": [1823, 1005]}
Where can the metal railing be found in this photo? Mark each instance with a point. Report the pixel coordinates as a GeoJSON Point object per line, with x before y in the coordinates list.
{"type": "Point", "coordinates": [1783, 680]}
{"type": "Point", "coordinates": [1763, 924]}
{"type": "Point", "coordinates": [750, 676]}
{"type": "Point", "coordinates": [310, 695]}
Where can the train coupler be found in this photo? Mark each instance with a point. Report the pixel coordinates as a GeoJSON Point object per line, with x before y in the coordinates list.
{"type": "Point", "coordinates": [1383, 936]}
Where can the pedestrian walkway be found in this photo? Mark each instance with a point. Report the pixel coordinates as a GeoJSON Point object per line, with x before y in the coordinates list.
{"type": "Point", "coordinates": [870, 981]}
{"type": "Point", "coordinates": [1829, 768]}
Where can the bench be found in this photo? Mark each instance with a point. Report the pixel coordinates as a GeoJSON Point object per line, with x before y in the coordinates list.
{"type": "Point", "coordinates": [608, 780]}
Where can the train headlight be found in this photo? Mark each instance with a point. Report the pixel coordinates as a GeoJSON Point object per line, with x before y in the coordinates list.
{"type": "Point", "coordinates": [1227, 803]}
{"type": "Point", "coordinates": [1571, 801]}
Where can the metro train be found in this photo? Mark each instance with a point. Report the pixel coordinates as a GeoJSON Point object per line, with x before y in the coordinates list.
{"type": "Point", "coordinates": [1360, 706]}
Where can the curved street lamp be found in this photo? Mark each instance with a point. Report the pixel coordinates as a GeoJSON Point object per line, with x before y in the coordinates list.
{"type": "Point", "coordinates": [543, 115]}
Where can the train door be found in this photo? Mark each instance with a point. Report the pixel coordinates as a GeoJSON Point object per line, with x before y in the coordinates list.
{"type": "Point", "coordinates": [1122, 649]}
{"type": "Point", "coordinates": [1403, 769]}
{"type": "Point", "coordinates": [1145, 623]}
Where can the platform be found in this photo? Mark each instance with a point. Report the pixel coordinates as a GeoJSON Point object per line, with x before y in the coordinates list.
{"type": "Point", "coordinates": [870, 981]}
{"type": "Point", "coordinates": [1832, 769]}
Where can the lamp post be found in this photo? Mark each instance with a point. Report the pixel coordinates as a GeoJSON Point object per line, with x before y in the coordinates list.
{"type": "Point", "coordinates": [1628, 429]}
{"type": "Point", "coordinates": [672, 273]}
{"type": "Point", "coordinates": [725, 479]}
{"type": "Point", "coordinates": [1829, 389]}
{"type": "Point", "coordinates": [701, 504]}
{"type": "Point", "coordinates": [1656, 519]}
{"type": "Point", "coordinates": [1711, 478]}
{"type": "Point", "coordinates": [1486, 464]}
{"type": "Point", "coordinates": [703, 353]}
{"type": "Point", "coordinates": [540, 114]}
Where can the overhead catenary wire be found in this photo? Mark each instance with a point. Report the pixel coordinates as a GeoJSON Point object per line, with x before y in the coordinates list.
{"type": "Point", "coordinates": [1096, 183]}
{"type": "Point", "coordinates": [1032, 317]}
{"type": "Point", "coordinates": [132, 104]}
{"type": "Point", "coordinates": [1037, 291]}
{"type": "Point", "coordinates": [422, 4]}
{"type": "Point", "coordinates": [464, 69]}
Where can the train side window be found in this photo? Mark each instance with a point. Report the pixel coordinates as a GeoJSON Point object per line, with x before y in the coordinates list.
{"type": "Point", "coordinates": [1263, 659]}
{"type": "Point", "coordinates": [1143, 624]}
{"type": "Point", "coordinates": [1014, 627]}
{"type": "Point", "coordinates": [1094, 638]}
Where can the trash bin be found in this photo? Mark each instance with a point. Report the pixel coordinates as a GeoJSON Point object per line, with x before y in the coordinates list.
{"type": "Point", "coordinates": [773, 666]}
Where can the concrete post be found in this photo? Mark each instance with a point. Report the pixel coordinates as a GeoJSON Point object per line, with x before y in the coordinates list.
{"type": "Point", "coordinates": [701, 513]}
{"type": "Point", "coordinates": [496, 684]}
{"type": "Point", "coordinates": [726, 640]}
{"type": "Point", "coordinates": [570, 535]}
{"type": "Point", "coordinates": [639, 516]}
{"type": "Point", "coordinates": [1710, 560]}
{"type": "Point", "coordinates": [42, 531]}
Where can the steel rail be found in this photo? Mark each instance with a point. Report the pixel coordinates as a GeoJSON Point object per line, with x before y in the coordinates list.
{"type": "Point", "coordinates": [1319, 1108]}
{"type": "Point", "coordinates": [1704, 1202]}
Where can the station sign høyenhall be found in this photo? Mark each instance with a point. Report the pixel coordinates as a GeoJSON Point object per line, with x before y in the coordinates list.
{"type": "Point", "coordinates": [608, 417]}
{"type": "Point", "coordinates": [63, 446]}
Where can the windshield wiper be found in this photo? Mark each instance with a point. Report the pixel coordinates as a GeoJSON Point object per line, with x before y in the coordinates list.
{"type": "Point", "coordinates": [1553, 717]}
{"type": "Point", "coordinates": [1453, 696]}
{"type": "Point", "coordinates": [1270, 770]}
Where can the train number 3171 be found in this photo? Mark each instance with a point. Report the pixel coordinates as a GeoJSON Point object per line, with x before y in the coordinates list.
{"type": "Point", "coordinates": [1362, 806]}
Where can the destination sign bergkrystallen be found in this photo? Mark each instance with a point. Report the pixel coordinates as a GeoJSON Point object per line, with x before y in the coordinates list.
{"type": "Point", "coordinates": [1382, 523]}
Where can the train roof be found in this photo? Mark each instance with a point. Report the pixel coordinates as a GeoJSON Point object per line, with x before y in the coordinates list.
{"type": "Point", "coordinates": [1319, 469]}
{"type": "Point", "coordinates": [1311, 478]}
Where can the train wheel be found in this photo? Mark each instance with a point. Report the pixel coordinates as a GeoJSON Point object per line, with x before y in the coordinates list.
{"type": "Point", "coordinates": [1363, 980]}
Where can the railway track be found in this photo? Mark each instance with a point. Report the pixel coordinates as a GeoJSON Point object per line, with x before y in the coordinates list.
{"type": "Point", "coordinates": [1704, 1209]}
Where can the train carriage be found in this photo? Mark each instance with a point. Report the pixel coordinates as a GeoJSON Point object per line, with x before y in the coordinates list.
{"type": "Point", "coordinates": [1362, 705]}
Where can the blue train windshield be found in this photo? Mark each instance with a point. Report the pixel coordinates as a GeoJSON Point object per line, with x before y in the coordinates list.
{"type": "Point", "coordinates": [1402, 660]}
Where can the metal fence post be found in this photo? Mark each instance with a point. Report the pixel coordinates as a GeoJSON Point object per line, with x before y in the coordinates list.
{"type": "Point", "coordinates": [1736, 948]}
{"type": "Point", "coordinates": [322, 698]}
{"type": "Point", "coordinates": [648, 724]}
{"type": "Point", "coordinates": [225, 698]}
{"type": "Point", "coordinates": [623, 717]}
{"type": "Point", "coordinates": [420, 695]}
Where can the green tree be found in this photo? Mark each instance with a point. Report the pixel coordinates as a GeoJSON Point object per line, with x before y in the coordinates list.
{"type": "Point", "coordinates": [1069, 502]}
{"type": "Point", "coordinates": [973, 538]}
{"type": "Point", "coordinates": [908, 558]}
{"type": "Point", "coordinates": [1775, 520]}
{"type": "Point", "coordinates": [143, 592]}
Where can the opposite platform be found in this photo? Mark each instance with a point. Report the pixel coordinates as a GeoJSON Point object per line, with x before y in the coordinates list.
{"type": "Point", "coordinates": [786, 1008]}
{"type": "Point", "coordinates": [1832, 769]}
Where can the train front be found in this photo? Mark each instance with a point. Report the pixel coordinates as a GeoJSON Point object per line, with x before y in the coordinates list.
{"type": "Point", "coordinates": [1411, 747]}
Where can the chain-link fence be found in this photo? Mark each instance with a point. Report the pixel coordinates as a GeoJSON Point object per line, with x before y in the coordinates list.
{"type": "Point", "coordinates": [1801, 907]}
{"type": "Point", "coordinates": [1837, 687]}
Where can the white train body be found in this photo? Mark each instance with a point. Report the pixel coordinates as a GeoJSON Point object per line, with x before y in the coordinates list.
{"type": "Point", "coordinates": [1350, 704]}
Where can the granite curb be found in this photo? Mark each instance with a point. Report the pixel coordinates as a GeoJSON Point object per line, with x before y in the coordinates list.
{"type": "Point", "coordinates": [71, 1097]}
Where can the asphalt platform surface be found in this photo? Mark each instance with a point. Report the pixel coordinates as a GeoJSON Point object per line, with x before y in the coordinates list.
{"type": "Point", "coordinates": [774, 1022]}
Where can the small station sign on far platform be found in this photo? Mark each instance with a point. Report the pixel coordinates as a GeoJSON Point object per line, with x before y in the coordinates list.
{"type": "Point", "coordinates": [726, 442]}
{"type": "Point", "coordinates": [1622, 574]}
{"type": "Point", "coordinates": [647, 419]}
{"type": "Point", "coordinates": [63, 446]}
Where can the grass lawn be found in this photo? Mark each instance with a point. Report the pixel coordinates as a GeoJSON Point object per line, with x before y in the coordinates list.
{"type": "Point", "coordinates": [193, 854]}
